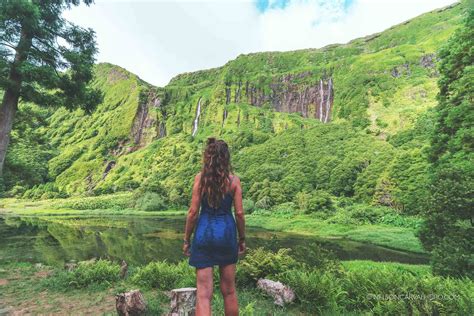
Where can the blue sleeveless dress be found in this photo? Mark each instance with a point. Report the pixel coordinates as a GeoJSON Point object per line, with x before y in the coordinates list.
{"type": "Point", "coordinates": [215, 236]}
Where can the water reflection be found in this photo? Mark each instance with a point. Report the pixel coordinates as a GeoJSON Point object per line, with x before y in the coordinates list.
{"type": "Point", "coordinates": [57, 239]}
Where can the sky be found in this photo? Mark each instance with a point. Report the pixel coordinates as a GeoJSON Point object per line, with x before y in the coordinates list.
{"type": "Point", "coordinates": [159, 39]}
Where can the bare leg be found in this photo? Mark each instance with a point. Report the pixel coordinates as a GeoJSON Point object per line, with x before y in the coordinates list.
{"type": "Point", "coordinates": [227, 284]}
{"type": "Point", "coordinates": [204, 278]}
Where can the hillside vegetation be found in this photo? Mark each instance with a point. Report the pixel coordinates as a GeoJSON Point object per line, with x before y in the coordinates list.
{"type": "Point", "coordinates": [347, 121]}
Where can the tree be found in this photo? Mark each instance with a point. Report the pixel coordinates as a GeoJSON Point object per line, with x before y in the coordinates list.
{"type": "Point", "coordinates": [44, 59]}
{"type": "Point", "coordinates": [448, 231]}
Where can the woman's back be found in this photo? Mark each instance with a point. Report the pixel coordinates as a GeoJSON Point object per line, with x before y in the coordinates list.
{"type": "Point", "coordinates": [215, 237]}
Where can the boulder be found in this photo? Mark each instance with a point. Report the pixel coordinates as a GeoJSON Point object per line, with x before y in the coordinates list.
{"type": "Point", "coordinates": [281, 293]}
{"type": "Point", "coordinates": [70, 266]}
{"type": "Point", "coordinates": [183, 302]}
{"type": "Point", "coordinates": [130, 303]}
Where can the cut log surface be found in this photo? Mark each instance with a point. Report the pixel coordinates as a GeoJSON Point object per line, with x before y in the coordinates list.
{"type": "Point", "coordinates": [281, 293]}
{"type": "Point", "coordinates": [130, 303]}
{"type": "Point", "coordinates": [183, 302]}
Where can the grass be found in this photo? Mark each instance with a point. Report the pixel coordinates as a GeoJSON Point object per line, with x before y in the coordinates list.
{"type": "Point", "coordinates": [355, 265]}
{"type": "Point", "coordinates": [400, 238]}
{"type": "Point", "coordinates": [28, 288]}
{"type": "Point", "coordinates": [45, 208]}
{"type": "Point", "coordinates": [23, 291]}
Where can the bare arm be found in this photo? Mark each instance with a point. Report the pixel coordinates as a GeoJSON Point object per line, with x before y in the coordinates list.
{"type": "Point", "coordinates": [239, 209]}
{"type": "Point", "coordinates": [193, 211]}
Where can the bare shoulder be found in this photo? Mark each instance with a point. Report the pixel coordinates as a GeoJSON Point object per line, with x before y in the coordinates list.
{"type": "Point", "coordinates": [235, 180]}
{"type": "Point", "coordinates": [197, 177]}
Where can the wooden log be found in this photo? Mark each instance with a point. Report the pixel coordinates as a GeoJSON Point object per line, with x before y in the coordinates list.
{"type": "Point", "coordinates": [183, 302]}
{"type": "Point", "coordinates": [130, 303]}
{"type": "Point", "coordinates": [281, 293]}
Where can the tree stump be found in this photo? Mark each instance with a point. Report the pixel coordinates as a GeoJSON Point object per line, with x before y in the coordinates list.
{"type": "Point", "coordinates": [183, 302]}
{"type": "Point", "coordinates": [130, 303]}
{"type": "Point", "coordinates": [281, 293]}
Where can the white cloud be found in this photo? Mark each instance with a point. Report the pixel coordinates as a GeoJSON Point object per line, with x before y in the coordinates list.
{"type": "Point", "coordinates": [313, 24]}
{"type": "Point", "coordinates": [160, 39]}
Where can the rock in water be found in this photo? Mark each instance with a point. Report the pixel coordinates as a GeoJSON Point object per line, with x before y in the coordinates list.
{"type": "Point", "coordinates": [280, 292]}
{"type": "Point", "coordinates": [130, 303]}
{"type": "Point", "coordinates": [183, 302]}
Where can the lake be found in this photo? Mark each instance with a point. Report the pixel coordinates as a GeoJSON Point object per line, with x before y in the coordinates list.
{"type": "Point", "coordinates": [54, 240]}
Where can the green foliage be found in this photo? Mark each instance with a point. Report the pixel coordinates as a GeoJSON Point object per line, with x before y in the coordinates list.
{"type": "Point", "coordinates": [316, 290]}
{"type": "Point", "coordinates": [449, 231]}
{"type": "Point", "coordinates": [359, 214]}
{"type": "Point", "coordinates": [36, 31]}
{"type": "Point", "coordinates": [262, 263]}
{"type": "Point", "coordinates": [277, 154]}
{"type": "Point", "coordinates": [113, 201]}
{"type": "Point", "coordinates": [29, 150]}
{"type": "Point", "coordinates": [150, 201]}
{"type": "Point", "coordinates": [248, 206]}
{"type": "Point", "coordinates": [398, 291]}
{"type": "Point", "coordinates": [454, 256]}
{"type": "Point", "coordinates": [320, 201]}
{"type": "Point", "coordinates": [165, 276]}
{"type": "Point", "coordinates": [99, 274]}
{"type": "Point", "coordinates": [44, 191]}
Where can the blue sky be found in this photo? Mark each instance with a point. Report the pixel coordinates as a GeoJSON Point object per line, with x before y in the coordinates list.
{"type": "Point", "coordinates": [159, 39]}
{"type": "Point", "coordinates": [265, 5]}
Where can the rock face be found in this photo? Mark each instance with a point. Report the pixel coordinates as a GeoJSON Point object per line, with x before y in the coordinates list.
{"type": "Point", "coordinates": [281, 293]}
{"type": "Point", "coordinates": [147, 125]}
{"type": "Point", "coordinates": [289, 93]}
{"type": "Point", "coordinates": [130, 303]}
{"type": "Point", "coordinates": [428, 61]}
{"type": "Point", "coordinates": [183, 302]}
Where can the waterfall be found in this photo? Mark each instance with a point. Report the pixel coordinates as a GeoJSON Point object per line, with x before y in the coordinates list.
{"type": "Point", "coordinates": [328, 101]}
{"type": "Point", "coordinates": [196, 119]}
{"type": "Point", "coordinates": [224, 116]}
{"type": "Point", "coordinates": [321, 92]}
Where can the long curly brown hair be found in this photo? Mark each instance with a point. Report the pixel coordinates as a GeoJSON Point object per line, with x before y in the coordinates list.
{"type": "Point", "coordinates": [215, 171]}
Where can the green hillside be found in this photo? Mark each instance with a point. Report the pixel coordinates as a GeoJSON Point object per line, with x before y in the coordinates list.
{"type": "Point", "coordinates": [345, 120]}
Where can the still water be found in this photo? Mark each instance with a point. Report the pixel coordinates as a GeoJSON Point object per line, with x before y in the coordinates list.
{"type": "Point", "coordinates": [54, 240]}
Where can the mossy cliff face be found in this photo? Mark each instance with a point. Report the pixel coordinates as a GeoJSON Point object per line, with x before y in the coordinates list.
{"type": "Point", "coordinates": [343, 118]}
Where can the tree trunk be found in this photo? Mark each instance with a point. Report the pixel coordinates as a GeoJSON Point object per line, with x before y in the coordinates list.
{"type": "Point", "coordinates": [7, 113]}
{"type": "Point", "coordinates": [12, 95]}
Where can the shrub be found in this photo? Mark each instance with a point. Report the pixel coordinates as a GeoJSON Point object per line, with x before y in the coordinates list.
{"type": "Point", "coordinates": [302, 200]}
{"type": "Point", "coordinates": [248, 206]}
{"type": "Point", "coordinates": [16, 191]}
{"type": "Point", "coordinates": [284, 210]}
{"type": "Point", "coordinates": [385, 291]}
{"type": "Point", "coordinates": [263, 203]}
{"type": "Point", "coordinates": [150, 201]}
{"type": "Point", "coordinates": [44, 191]}
{"type": "Point", "coordinates": [100, 273]}
{"type": "Point", "coordinates": [320, 201]}
{"type": "Point", "coordinates": [165, 276]}
{"type": "Point", "coordinates": [316, 290]}
{"type": "Point", "coordinates": [365, 214]}
{"type": "Point", "coordinates": [285, 207]}
{"type": "Point", "coordinates": [453, 256]}
{"type": "Point", "coordinates": [262, 263]}
{"type": "Point", "coordinates": [112, 201]}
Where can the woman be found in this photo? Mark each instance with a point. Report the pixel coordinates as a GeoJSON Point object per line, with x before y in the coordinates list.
{"type": "Point", "coordinates": [215, 238]}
